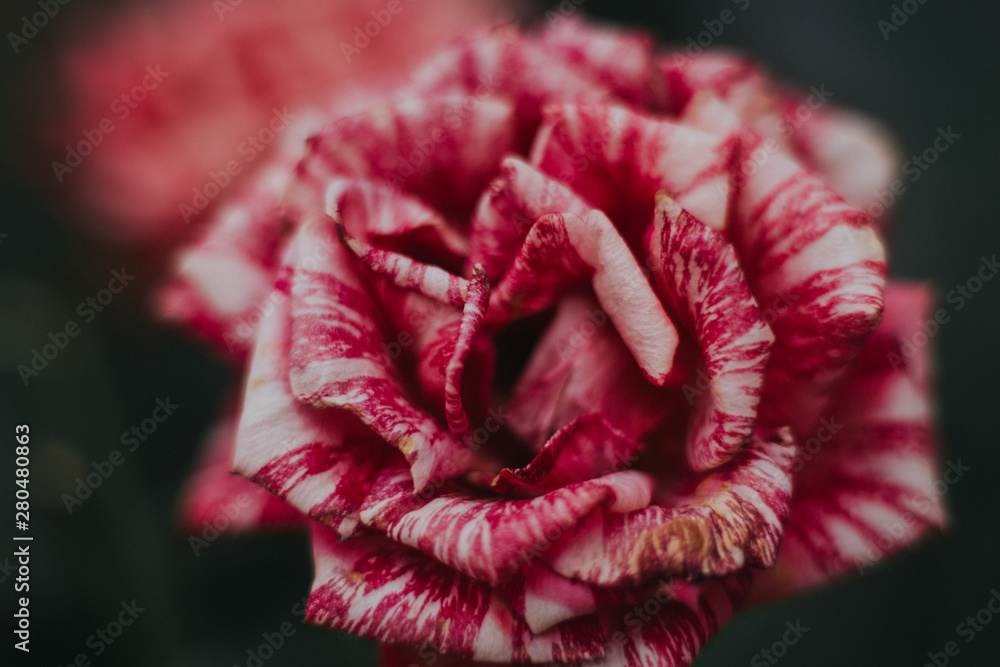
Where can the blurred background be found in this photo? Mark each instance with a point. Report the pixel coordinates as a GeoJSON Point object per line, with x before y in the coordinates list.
{"type": "Point", "coordinates": [927, 66]}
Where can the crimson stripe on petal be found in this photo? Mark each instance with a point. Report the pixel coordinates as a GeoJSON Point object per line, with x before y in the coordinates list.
{"type": "Point", "coordinates": [697, 273]}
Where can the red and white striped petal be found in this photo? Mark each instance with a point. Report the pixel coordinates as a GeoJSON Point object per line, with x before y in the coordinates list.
{"type": "Point", "coordinates": [725, 75]}
{"type": "Point", "coordinates": [507, 209]}
{"type": "Point", "coordinates": [431, 281]}
{"type": "Point", "coordinates": [216, 499]}
{"type": "Point", "coordinates": [807, 255]}
{"type": "Point", "coordinates": [620, 60]}
{"type": "Point", "coordinates": [391, 220]}
{"type": "Point", "coordinates": [697, 273]}
{"type": "Point", "coordinates": [221, 283]}
{"type": "Point", "coordinates": [618, 159]}
{"type": "Point", "coordinates": [374, 588]}
{"type": "Point", "coordinates": [671, 628]}
{"type": "Point", "coordinates": [853, 154]}
{"type": "Point", "coordinates": [586, 448]}
{"type": "Point", "coordinates": [338, 359]}
{"type": "Point", "coordinates": [321, 461]}
{"type": "Point", "coordinates": [563, 251]}
{"type": "Point", "coordinates": [734, 517]}
{"type": "Point", "coordinates": [581, 366]}
{"type": "Point", "coordinates": [867, 484]}
{"type": "Point", "coordinates": [490, 539]}
{"type": "Point", "coordinates": [473, 317]}
{"type": "Point", "coordinates": [443, 150]}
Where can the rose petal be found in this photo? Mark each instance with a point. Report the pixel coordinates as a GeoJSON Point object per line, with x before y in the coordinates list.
{"type": "Point", "coordinates": [320, 461]}
{"type": "Point", "coordinates": [489, 539]}
{"type": "Point", "coordinates": [507, 209]}
{"type": "Point", "coordinates": [560, 252]}
{"type": "Point", "coordinates": [866, 480]}
{"type": "Point", "coordinates": [473, 316]}
{"type": "Point", "coordinates": [215, 498]}
{"type": "Point", "coordinates": [581, 366]}
{"type": "Point", "coordinates": [337, 361]}
{"type": "Point", "coordinates": [221, 281]}
{"type": "Point", "coordinates": [410, 145]}
{"type": "Point", "coordinates": [733, 517]}
{"type": "Point", "coordinates": [393, 221]}
{"type": "Point", "coordinates": [619, 159]}
{"type": "Point", "coordinates": [586, 448]}
{"type": "Point", "coordinates": [697, 273]}
{"type": "Point", "coordinates": [373, 588]}
{"type": "Point", "coordinates": [675, 633]}
{"type": "Point", "coordinates": [620, 60]}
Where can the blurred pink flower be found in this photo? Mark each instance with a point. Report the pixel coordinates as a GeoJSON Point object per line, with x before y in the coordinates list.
{"type": "Point", "coordinates": [162, 97]}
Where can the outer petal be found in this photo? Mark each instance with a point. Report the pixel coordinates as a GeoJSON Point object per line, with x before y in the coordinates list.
{"type": "Point", "coordinates": [374, 588]}
{"type": "Point", "coordinates": [866, 479]}
{"type": "Point", "coordinates": [697, 272]}
{"type": "Point", "coordinates": [560, 252]}
{"type": "Point", "coordinates": [337, 359]}
{"type": "Point", "coordinates": [321, 461]}
{"type": "Point", "coordinates": [621, 61]}
{"type": "Point", "coordinates": [221, 283]}
{"type": "Point", "coordinates": [218, 499]}
{"type": "Point", "coordinates": [674, 635]}
{"type": "Point", "coordinates": [733, 517]}
{"type": "Point", "coordinates": [618, 160]}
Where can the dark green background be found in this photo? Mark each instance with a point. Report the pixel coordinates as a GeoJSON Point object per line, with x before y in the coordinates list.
{"type": "Point", "coordinates": [940, 69]}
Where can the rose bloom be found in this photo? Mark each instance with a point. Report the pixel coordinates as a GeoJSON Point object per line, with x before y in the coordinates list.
{"type": "Point", "coordinates": [568, 349]}
{"type": "Point", "coordinates": [191, 88]}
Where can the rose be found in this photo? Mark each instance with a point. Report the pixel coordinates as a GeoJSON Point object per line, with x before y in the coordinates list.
{"type": "Point", "coordinates": [572, 350]}
{"type": "Point", "coordinates": [168, 108]}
